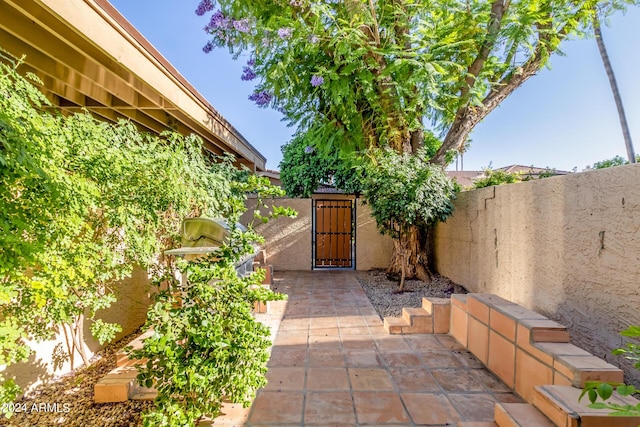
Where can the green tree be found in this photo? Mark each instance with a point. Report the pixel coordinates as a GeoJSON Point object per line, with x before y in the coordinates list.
{"type": "Point", "coordinates": [358, 75]}
{"type": "Point", "coordinates": [407, 195]}
{"type": "Point", "coordinates": [493, 177]}
{"type": "Point", "coordinates": [615, 161]}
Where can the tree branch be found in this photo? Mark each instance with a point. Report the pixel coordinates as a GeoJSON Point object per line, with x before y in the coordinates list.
{"type": "Point", "coordinates": [498, 9]}
{"type": "Point", "coordinates": [467, 117]}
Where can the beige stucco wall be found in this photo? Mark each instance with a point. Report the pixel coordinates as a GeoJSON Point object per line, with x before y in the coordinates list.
{"type": "Point", "coordinates": [567, 247]}
{"type": "Point", "coordinates": [372, 249]}
{"type": "Point", "coordinates": [288, 241]}
{"type": "Point", "coordinates": [50, 359]}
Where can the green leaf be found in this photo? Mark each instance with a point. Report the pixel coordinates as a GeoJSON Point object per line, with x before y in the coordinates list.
{"type": "Point", "coordinates": [605, 391]}
{"type": "Point", "coordinates": [626, 390]}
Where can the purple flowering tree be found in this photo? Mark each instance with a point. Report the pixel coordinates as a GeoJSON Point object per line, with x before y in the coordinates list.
{"type": "Point", "coordinates": [362, 75]}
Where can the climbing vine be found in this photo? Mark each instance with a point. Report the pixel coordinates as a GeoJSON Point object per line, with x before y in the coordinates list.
{"type": "Point", "coordinates": [81, 203]}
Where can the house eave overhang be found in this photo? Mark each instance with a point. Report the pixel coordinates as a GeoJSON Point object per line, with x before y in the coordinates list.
{"type": "Point", "coordinates": [89, 56]}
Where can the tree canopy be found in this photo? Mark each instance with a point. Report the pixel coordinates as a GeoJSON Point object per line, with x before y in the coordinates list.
{"type": "Point", "coordinates": [358, 74]}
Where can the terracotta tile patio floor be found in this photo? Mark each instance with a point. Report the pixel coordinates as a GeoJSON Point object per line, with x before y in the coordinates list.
{"type": "Point", "coordinates": [333, 364]}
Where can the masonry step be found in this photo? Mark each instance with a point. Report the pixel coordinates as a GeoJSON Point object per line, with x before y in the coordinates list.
{"type": "Point", "coordinates": [413, 321]}
{"type": "Point", "coordinates": [477, 424]}
{"type": "Point", "coordinates": [434, 317]}
{"type": "Point", "coordinates": [519, 415]}
{"type": "Point", "coordinates": [560, 404]}
{"type": "Point", "coordinates": [419, 320]}
{"type": "Point", "coordinates": [394, 325]}
{"type": "Point", "coordinates": [120, 384]}
{"type": "Point", "coordinates": [576, 366]}
{"type": "Point", "coordinates": [440, 309]}
{"type": "Point", "coordinates": [117, 386]}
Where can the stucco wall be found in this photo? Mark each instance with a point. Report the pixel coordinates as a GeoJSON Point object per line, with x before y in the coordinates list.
{"type": "Point", "coordinates": [49, 357]}
{"type": "Point", "coordinates": [288, 241]}
{"type": "Point", "coordinates": [567, 247]}
{"type": "Point", "coordinates": [372, 249]}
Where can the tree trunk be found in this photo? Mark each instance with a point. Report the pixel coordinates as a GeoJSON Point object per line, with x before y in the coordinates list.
{"type": "Point", "coordinates": [614, 89]}
{"type": "Point", "coordinates": [410, 255]}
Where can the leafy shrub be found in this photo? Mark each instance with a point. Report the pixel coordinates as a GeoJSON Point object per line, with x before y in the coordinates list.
{"type": "Point", "coordinates": [81, 203]}
{"type": "Point", "coordinates": [405, 190]}
{"type": "Point", "coordinates": [615, 161]}
{"type": "Point", "coordinates": [206, 345]}
{"type": "Point", "coordinates": [493, 177]}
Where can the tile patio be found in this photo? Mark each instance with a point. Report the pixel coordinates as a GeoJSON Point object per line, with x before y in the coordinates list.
{"type": "Point", "coordinates": [333, 364]}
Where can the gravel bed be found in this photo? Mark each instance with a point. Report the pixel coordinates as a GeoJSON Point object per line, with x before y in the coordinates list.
{"type": "Point", "coordinates": [71, 399]}
{"type": "Point", "coordinates": [382, 291]}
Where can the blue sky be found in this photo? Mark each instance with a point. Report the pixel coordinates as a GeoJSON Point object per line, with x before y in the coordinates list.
{"type": "Point", "coordinates": [564, 117]}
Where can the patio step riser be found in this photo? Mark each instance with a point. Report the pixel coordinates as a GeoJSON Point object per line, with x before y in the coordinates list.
{"type": "Point", "coordinates": [519, 415]}
{"type": "Point", "coordinates": [523, 348]}
{"type": "Point", "coordinates": [117, 386]}
{"type": "Point", "coordinates": [560, 404]}
{"type": "Point", "coordinates": [394, 325]}
{"type": "Point", "coordinates": [120, 384]}
{"type": "Point", "coordinates": [477, 424]}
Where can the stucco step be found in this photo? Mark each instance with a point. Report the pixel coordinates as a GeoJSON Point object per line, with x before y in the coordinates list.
{"type": "Point", "coordinates": [560, 404]}
{"type": "Point", "coordinates": [519, 415]}
{"type": "Point", "coordinates": [420, 322]}
{"type": "Point", "coordinates": [394, 325]}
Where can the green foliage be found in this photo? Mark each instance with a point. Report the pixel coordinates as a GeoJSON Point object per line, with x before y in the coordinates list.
{"type": "Point", "coordinates": [81, 203]}
{"type": "Point", "coordinates": [604, 391]}
{"type": "Point", "coordinates": [405, 190]}
{"type": "Point", "coordinates": [304, 169]}
{"type": "Point", "coordinates": [357, 75]}
{"type": "Point", "coordinates": [631, 350]}
{"type": "Point", "coordinates": [493, 177]}
{"type": "Point", "coordinates": [615, 161]}
{"type": "Point", "coordinates": [546, 173]}
{"type": "Point", "coordinates": [206, 345]}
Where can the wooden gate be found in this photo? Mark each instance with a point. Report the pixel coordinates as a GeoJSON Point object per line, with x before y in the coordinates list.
{"type": "Point", "coordinates": [333, 234]}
